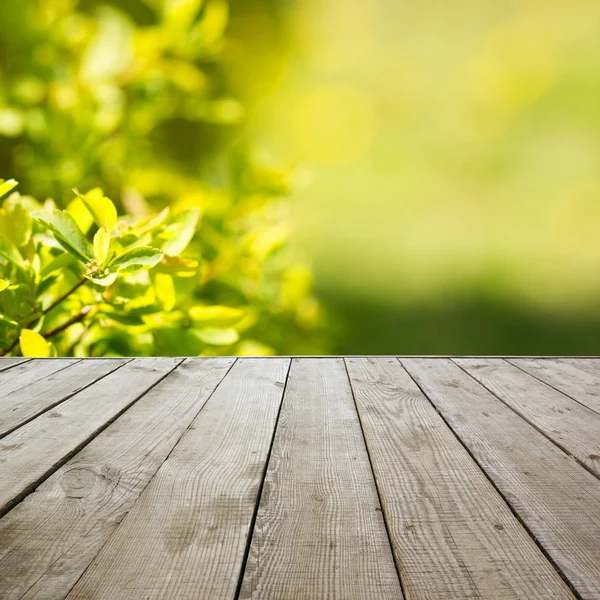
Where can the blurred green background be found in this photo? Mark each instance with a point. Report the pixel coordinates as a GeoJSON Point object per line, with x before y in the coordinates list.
{"type": "Point", "coordinates": [447, 160]}
{"type": "Point", "coordinates": [455, 205]}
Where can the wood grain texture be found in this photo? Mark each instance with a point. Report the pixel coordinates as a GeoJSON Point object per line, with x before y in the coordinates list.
{"type": "Point", "coordinates": [589, 365]}
{"type": "Point", "coordinates": [24, 374]}
{"type": "Point", "coordinates": [7, 363]}
{"type": "Point", "coordinates": [576, 383]}
{"type": "Point", "coordinates": [453, 535]}
{"type": "Point", "coordinates": [50, 538]}
{"type": "Point", "coordinates": [574, 427]}
{"type": "Point", "coordinates": [29, 454]}
{"type": "Point", "coordinates": [557, 499]}
{"type": "Point", "coordinates": [319, 530]}
{"type": "Point", "coordinates": [186, 535]}
{"type": "Point", "coordinates": [25, 403]}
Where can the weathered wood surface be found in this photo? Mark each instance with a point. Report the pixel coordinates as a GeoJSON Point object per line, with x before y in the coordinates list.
{"type": "Point", "coordinates": [556, 498]}
{"type": "Point", "coordinates": [30, 453]}
{"type": "Point", "coordinates": [25, 403]}
{"type": "Point", "coordinates": [52, 536]}
{"type": "Point", "coordinates": [567, 378]}
{"type": "Point", "coordinates": [186, 535]}
{"type": "Point", "coordinates": [6, 363]}
{"type": "Point", "coordinates": [414, 478]}
{"type": "Point", "coordinates": [319, 530]}
{"type": "Point", "coordinates": [572, 426]}
{"type": "Point", "coordinates": [444, 516]}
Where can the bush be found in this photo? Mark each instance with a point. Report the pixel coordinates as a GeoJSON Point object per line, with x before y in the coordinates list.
{"type": "Point", "coordinates": [199, 262]}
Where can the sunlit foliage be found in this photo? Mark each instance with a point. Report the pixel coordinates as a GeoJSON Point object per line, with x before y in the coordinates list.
{"type": "Point", "coordinates": [191, 253]}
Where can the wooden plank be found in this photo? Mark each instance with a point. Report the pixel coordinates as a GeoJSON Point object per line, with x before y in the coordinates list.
{"type": "Point", "coordinates": [50, 538]}
{"type": "Point", "coordinates": [574, 427]}
{"type": "Point", "coordinates": [26, 373]}
{"type": "Point", "coordinates": [589, 365]}
{"type": "Point", "coordinates": [557, 499]}
{"type": "Point", "coordinates": [7, 363]}
{"type": "Point", "coordinates": [32, 452]}
{"type": "Point", "coordinates": [319, 530]}
{"type": "Point", "coordinates": [580, 385]}
{"type": "Point", "coordinates": [186, 535]}
{"type": "Point", "coordinates": [23, 404]}
{"type": "Point", "coordinates": [453, 535]}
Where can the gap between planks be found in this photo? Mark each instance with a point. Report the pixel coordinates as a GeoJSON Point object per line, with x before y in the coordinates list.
{"type": "Point", "coordinates": [51, 537]}
{"type": "Point", "coordinates": [34, 451]}
{"type": "Point", "coordinates": [535, 477]}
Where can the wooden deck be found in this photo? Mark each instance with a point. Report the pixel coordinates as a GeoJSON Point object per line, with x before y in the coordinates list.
{"type": "Point", "coordinates": [304, 478]}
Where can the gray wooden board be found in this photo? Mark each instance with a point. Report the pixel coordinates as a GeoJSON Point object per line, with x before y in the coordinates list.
{"type": "Point", "coordinates": [453, 534]}
{"type": "Point", "coordinates": [576, 383]}
{"type": "Point", "coordinates": [589, 365]}
{"type": "Point", "coordinates": [571, 425]}
{"type": "Point", "coordinates": [24, 374]}
{"type": "Point", "coordinates": [186, 535]}
{"type": "Point", "coordinates": [7, 363]}
{"type": "Point", "coordinates": [30, 453]}
{"type": "Point", "coordinates": [319, 530]}
{"type": "Point", "coordinates": [49, 539]}
{"type": "Point", "coordinates": [23, 404]}
{"type": "Point", "coordinates": [557, 499]}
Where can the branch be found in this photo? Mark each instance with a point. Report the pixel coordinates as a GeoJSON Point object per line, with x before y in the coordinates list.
{"type": "Point", "coordinates": [80, 316]}
{"type": "Point", "coordinates": [4, 352]}
{"type": "Point", "coordinates": [59, 300]}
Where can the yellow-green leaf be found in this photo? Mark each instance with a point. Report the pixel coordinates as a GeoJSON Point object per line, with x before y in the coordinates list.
{"type": "Point", "coordinates": [165, 291]}
{"type": "Point", "coordinates": [100, 207]}
{"type": "Point", "coordinates": [218, 337]}
{"type": "Point", "coordinates": [33, 344]}
{"type": "Point", "coordinates": [101, 244]}
{"type": "Point", "coordinates": [9, 252]}
{"type": "Point", "coordinates": [149, 223]}
{"type": "Point", "coordinates": [6, 186]}
{"type": "Point", "coordinates": [78, 210]}
{"type": "Point", "coordinates": [253, 348]}
{"type": "Point", "coordinates": [216, 316]}
{"type": "Point", "coordinates": [4, 283]}
{"type": "Point", "coordinates": [15, 222]}
{"type": "Point", "coordinates": [180, 233]}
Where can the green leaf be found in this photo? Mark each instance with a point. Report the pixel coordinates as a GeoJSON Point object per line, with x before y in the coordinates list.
{"type": "Point", "coordinates": [9, 252]}
{"type": "Point", "coordinates": [101, 244]}
{"type": "Point", "coordinates": [33, 344]}
{"type": "Point", "coordinates": [4, 283]}
{"type": "Point", "coordinates": [100, 207]}
{"type": "Point", "coordinates": [6, 186]}
{"type": "Point", "coordinates": [66, 231]}
{"type": "Point", "coordinates": [104, 279]}
{"type": "Point", "coordinates": [216, 316]}
{"type": "Point", "coordinates": [218, 337]}
{"type": "Point", "coordinates": [180, 233]}
{"type": "Point", "coordinates": [136, 259]}
{"type": "Point", "coordinates": [8, 320]}
{"type": "Point", "coordinates": [61, 262]}
{"type": "Point", "coordinates": [123, 318]}
{"type": "Point", "coordinates": [47, 282]}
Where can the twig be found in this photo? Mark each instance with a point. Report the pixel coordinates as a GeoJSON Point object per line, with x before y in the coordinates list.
{"type": "Point", "coordinates": [80, 316]}
{"type": "Point", "coordinates": [59, 300]}
{"type": "Point", "coordinates": [4, 352]}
